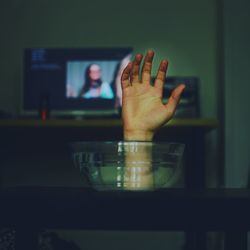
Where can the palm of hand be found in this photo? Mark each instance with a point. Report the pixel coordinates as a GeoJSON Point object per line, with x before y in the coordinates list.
{"type": "Point", "coordinates": [143, 108]}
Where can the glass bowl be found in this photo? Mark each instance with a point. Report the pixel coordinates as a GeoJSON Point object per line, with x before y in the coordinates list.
{"type": "Point", "coordinates": [129, 165]}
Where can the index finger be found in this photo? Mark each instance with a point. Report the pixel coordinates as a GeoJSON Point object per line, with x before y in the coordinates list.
{"type": "Point", "coordinates": [147, 66]}
{"type": "Point", "coordinates": [125, 81]}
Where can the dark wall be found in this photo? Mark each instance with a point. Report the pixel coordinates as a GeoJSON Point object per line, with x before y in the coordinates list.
{"type": "Point", "coordinates": [182, 31]}
{"type": "Point", "coordinates": [237, 89]}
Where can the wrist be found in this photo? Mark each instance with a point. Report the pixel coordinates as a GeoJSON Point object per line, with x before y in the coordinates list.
{"type": "Point", "coordinates": [138, 135]}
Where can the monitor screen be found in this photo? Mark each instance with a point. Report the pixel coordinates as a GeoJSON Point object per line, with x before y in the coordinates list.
{"type": "Point", "coordinates": [74, 81]}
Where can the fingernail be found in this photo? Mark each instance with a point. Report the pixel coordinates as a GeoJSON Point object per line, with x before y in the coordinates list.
{"type": "Point", "coordinates": [150, 51]}
{"type": "Point", "coordinates": [139, 56]}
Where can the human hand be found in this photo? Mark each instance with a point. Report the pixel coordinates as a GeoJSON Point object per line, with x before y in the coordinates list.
{"type": "Point", "coordinates": [143, 111]}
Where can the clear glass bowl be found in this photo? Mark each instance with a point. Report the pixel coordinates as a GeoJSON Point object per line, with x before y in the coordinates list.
{"type": "Point", "coordinates": [131, 165]}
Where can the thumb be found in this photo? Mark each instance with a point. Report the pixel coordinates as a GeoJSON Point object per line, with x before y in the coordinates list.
{"type": "Point", "coordinates": [174, 99]}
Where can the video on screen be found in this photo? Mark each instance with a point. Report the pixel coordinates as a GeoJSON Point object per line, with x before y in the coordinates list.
{"type": "Point", "coordinates": [95, 79]}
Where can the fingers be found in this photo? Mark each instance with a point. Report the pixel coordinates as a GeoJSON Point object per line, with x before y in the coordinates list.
{"type": "Point", "coordinates": [147, 66]}
{"type": "Point", "coordinates": [161, 75]}
{"type": "Point", "coordinates": [125, 78]}
{"type": "Point", "coordinates": [136, 69]}
{"type": "Point", "coordinates": [174, 99]}
{"type": "Point", "coordinates": [131, 73]}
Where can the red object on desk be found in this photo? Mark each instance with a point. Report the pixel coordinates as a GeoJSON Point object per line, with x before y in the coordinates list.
{"type": "Point", "coordinates": [44, 115]}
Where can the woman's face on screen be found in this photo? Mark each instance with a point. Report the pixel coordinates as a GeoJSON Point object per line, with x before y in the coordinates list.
{"type": "Point", "coordinates": [95, 72]}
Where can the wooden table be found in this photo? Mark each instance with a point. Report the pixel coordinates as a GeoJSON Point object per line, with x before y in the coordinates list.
{"type": "Point", "coordinates": [184, 123]}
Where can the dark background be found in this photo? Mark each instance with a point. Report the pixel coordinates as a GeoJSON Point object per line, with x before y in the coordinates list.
{"type": "Point", "coordinates": [208, 39]}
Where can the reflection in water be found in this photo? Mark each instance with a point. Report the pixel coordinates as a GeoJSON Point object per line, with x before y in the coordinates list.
{"type": "Point", "coordinates": [137, 178]}
{"type": "Point", "coordinates": [138, 172]}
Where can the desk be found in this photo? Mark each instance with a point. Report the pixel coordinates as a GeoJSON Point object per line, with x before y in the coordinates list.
{"type": "Point", "coordinates": [165, 209]}
{"type": "Point", "coordinates": [52, 135]}
{"type": "Point", "coordinates": [41, 138]}
{"type": "Point", "coordinates": [206, 124]}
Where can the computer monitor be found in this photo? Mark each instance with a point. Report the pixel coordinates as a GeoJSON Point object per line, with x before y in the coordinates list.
{"type": "Point", "coordinates": [74, 81]}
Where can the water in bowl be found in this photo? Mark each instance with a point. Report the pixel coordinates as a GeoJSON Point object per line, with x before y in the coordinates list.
{"type": "Point", "coordinates": [129, 166]}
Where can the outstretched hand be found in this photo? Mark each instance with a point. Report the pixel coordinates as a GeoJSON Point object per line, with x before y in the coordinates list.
{"type": "Point", "coordinates": [143, 111]}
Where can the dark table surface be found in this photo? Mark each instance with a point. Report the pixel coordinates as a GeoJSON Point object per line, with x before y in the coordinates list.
{"type": "Point", "coordinates": [165, 209]}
